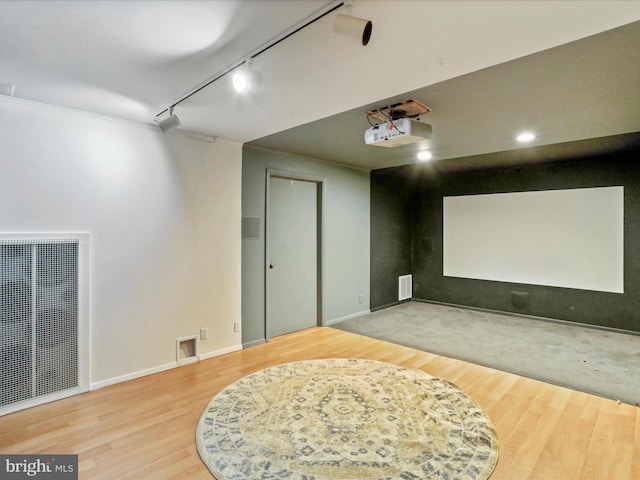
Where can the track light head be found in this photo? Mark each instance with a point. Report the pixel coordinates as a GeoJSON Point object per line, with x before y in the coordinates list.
{"type": "Point", "coordinates": [353, 27]}
{"type": "Point", "coordinates": [239, 82]}
{"type": "Point", "coordinates": [169, 123]}
{"type": "Point", "coordinates": [246, 78]}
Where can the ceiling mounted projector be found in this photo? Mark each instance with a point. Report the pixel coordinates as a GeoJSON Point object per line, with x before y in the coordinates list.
{"type": "Point", "coordinates": [396, 133]}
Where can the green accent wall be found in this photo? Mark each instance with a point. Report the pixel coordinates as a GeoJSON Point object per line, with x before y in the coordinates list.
{"type": "Point", "coordinates": [407, 202]}
{"type": "Point", "coordinates": [344, 289]}
{"type": "Point", "coordinates": [390, 237]}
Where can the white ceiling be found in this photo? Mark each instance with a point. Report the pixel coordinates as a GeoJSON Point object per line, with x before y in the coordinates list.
{"type": "Point", "coordinates": [132, 59]}
{"type": "Point", "coordinates": [586, 89]}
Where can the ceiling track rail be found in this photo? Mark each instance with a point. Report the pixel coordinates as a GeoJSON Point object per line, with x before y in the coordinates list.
{"type": "Point", "coordinates": [259, 50]}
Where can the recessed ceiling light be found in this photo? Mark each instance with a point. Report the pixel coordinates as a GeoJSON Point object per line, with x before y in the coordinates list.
{"type": "Point", "coordinates": [424, 155]}
{"type": "Point", "coordinates": [525, 137]}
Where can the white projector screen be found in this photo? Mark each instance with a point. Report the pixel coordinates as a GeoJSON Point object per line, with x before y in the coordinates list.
{"type": "Point", "coordinates": [561, 238]}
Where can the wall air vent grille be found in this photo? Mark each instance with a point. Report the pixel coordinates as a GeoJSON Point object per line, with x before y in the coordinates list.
{"type": "Point", "coordinates": [405, 287]}
{"type": "Point", "coordinates": [38, 318]}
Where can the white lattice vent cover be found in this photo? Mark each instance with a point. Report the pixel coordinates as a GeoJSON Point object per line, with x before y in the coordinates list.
{"type": "Point", "coordinates": [38, 318]}
{"type": "Point", "coordinates": [405, 287]}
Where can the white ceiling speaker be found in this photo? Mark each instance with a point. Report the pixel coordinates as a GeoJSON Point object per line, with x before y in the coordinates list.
{"type": "Point", "coordinates": [169, 123]}
{"type": "Point", "coordinates": [353, 27]}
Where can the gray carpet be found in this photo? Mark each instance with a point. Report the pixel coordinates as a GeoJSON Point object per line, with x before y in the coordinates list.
{"type": "Point", "coordinates": [599, 362]}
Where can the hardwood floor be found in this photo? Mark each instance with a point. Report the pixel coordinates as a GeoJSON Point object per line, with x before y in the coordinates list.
{"type": "Point", "coordinates": [145, 428]}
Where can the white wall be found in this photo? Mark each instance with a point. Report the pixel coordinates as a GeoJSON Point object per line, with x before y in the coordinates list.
{"type": "Point", "coordinates": [163, 212]}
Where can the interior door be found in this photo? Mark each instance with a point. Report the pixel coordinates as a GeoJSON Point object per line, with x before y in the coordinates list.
{"type": "Point", "coordinates": [292, 256]}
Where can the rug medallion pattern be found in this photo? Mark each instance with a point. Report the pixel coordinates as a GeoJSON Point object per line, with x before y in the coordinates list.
{"type": "Point", "coordinates": [345, 419]}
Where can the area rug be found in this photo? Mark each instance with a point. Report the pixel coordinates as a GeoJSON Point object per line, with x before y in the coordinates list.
{"type": "Point", "coordinates": [345, 419]}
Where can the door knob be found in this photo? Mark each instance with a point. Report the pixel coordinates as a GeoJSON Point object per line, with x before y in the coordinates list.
{"type": "Point", "coordinates": [271, 265]}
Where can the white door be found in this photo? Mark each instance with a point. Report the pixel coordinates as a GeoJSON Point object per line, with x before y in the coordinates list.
{"type": "Point", "coordinates": [292, 256]}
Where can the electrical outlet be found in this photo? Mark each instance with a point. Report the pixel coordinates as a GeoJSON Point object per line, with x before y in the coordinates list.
{"type": "Point", "coordinates": [360, 298]}
{"type": "Point", "coordinates": [204, 333]}
{"type": "Point", "coordinates": [236, 327]}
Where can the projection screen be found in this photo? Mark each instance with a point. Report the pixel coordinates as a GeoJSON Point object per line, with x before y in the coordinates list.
{"type": "Point", "coordinates": [561, 238]}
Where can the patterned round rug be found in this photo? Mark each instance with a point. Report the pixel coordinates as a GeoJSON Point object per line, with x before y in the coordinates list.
{"type": "Point", "coordinates": [345, 419]}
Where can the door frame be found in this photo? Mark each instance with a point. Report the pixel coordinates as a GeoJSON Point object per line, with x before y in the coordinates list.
{"type": "Point", "coordinates": [303, 177]}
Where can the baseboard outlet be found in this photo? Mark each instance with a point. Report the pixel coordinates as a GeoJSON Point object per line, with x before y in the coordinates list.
{"type": "Point", "coordinates": [333, 321]}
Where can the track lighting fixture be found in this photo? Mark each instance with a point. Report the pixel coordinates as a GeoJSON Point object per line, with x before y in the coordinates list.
{"type": "Point", "coordinates": [353, 27]}
{"type": "Point", "coordinates": [169, 123]}
{"type": "Point", "coordinates": [247, 78]}
{"type": "Point", "coordinates": [239, 82]}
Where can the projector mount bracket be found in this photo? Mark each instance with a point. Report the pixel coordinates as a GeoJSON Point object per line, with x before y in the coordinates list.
{"type": "Point", "coordinates": [408, 109]}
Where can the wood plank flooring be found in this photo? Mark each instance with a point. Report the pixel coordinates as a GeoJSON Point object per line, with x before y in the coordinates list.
{"type": "Point", "coordinates": [145, 428]}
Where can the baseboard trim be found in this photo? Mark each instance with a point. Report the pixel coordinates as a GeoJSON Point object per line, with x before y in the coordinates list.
{"type": "Point", "coordinates": [217, 353]}
{"type": "Point", "coordinates": [389, 305]}
{"type": "Point", "coordinates": [531, 317]}
{"type": "Point", "coordinates": [160, 368]}
{"type": "Point", "coordinates": [37, 401]}
{"type": "Point", "coordinates": [254, 343]}
{"type": "Point", "coordinates": [133, 375]}
{"type": "Point", "coordinates": [333, 321]}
